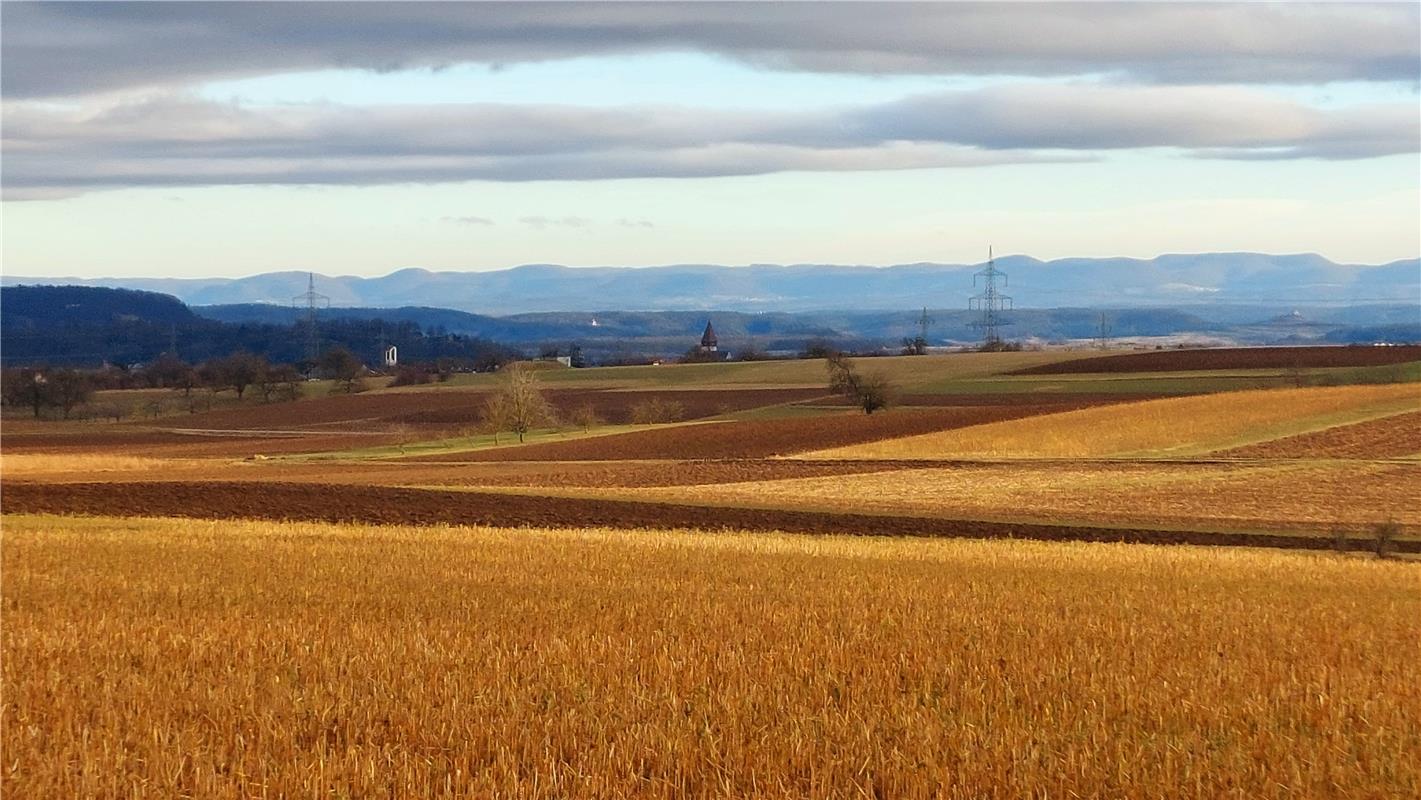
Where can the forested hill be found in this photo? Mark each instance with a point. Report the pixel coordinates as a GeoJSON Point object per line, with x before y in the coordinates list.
{"type": "Point", "coordinates": [88, 326]}
{"type": "Point", "coordinates": [28, 307]}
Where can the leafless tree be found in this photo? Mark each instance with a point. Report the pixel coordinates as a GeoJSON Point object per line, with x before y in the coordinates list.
{"type": "Point", "coordinates": [657, 411]}
{"type": "Point", "coordinates": [870, 392]}
{"type": "Point", "coordinates": [344, 368]}
{"type": "Point", "coordinates": [70, 388]}
{"type": "Point", "coordinates": [519, 405]}
{"type": "Point", "coordinates": [279, 382]}
{"type": "Point", "coordinates": [585, 417]}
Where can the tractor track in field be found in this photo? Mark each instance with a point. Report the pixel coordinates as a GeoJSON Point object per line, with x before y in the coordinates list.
{"type": "Point", "coordinates": [403, 506]}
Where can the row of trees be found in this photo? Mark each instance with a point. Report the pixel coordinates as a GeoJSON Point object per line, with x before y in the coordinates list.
{"type": "Point", "coordinates": [243, 371]}
{"type": "Point", "coordinates": [40, 390]}
{"type": "Point", "coordinates": [65, 391]}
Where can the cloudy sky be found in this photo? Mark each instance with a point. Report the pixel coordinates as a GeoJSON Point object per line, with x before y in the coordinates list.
{"type": "Point", "coordinates": [175, 139]}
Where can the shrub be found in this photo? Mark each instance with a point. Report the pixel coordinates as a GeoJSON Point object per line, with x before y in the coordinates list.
{"type": "Point", "coordinates": [1385, 534]}
{"type": "Point", "coordinates": [412, 376]}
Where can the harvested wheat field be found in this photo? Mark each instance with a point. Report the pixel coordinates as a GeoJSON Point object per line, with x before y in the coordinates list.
{"type": "Point", "coordinates": [1171, 427]}
{"type": "Point", "coordinates": [163, 658]}
{"type": "Point", "coordinates": [1270, 497]}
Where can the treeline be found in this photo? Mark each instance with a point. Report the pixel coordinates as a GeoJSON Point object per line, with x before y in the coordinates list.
{"type": "Point", "coordinates": [69, 393]}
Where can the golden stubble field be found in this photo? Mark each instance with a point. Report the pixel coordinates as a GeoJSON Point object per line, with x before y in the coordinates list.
{"type": "Point", "coordinates": [1178, 426]}
{"type": "Point", "coordinates": [167, 658]}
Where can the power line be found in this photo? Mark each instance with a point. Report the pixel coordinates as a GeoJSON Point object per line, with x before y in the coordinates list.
{"type": "Point", "coordinates": [312, 300]}
{"type": "Point", "coordinates": [991, 303]}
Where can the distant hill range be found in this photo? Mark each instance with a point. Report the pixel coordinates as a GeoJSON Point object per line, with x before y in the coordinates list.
{"type": "Point", "coordinates": [90, 325]}
{"type": "Point", "coordinates": [1257, 280]}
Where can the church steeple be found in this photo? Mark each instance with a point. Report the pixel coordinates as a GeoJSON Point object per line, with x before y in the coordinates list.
{"type": "Point", "coordinates": [708, 342]}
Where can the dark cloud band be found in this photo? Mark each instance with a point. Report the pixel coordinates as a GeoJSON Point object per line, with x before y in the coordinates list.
{"type": "Point", "coordinates": [56, 49]}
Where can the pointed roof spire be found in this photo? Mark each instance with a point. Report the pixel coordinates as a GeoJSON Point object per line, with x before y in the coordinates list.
{"type": "Point", "coordinates": [708, 338]}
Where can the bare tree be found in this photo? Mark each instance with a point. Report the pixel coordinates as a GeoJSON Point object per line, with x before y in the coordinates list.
{"type": "Point", "coordinates": [344, 368]}
{"type": "Point", "coordinates": [28, 388]}
{"type": "Point", "coordinates": [237, 371]}
{"type": "Point", "coordinates": [870, 392]}
{"type": "Point", "coordinates": [520, 400]}
{"type": "Point", "coordinates": [495, 415]}
{"type": "Point", "coordinates": [585, 417]}
{"type": "Point", "coordinates": [657, 411]}
{"type": "Point", "coordinates": [279, 382]}
{"type": "Point", "coordinates": [70, 389]}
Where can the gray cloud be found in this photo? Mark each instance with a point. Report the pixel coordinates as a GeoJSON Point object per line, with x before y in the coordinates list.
{"type": "Point", "coordinates": [626, 222]}
{"type": "Point", "coordinates": [52, 150]}
{"type": "Point", "coordinates": [555, 222]}
{"type": "Point", "coordinates": [52, 49]}
{"type": "Point", "coordinates": [468, 220]}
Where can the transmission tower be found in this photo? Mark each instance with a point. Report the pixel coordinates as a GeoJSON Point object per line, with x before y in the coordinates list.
{"type": "Point", "coordinates": [312, 300]}
{"type": "Point", "coordinates": [991, 303]}
{"type": "Point", "coordinates": [1102, 332]}
{"type": "Point", "coordinates": [919, 345]}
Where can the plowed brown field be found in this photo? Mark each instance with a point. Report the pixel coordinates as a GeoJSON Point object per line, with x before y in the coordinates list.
{"type": "Point", "coordinates": [1389, 437]}
{"type": "Point", "coordinates": [1232, 358]}
{"type": "Point", "coordinates": [757, 438]}
{"type": "Point", "coordinates": [124, 440]}
{"type": "Point", "coordinates": [457, 407]}
{"type": "Point", "coordinates": [384, 505]}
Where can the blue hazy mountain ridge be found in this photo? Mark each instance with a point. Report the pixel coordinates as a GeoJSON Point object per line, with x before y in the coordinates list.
{"type": "Point", "coordinates": [1167, 280]}
{"type": "Point", "coordinates": [88, 325]}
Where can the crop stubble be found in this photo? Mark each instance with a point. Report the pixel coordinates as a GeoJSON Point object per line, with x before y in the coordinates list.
{"type": "Point", "coordinates": [163, 658]}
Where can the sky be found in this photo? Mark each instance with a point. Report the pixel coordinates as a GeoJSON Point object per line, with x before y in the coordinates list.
{"type": "Point", "coordinates": [229, 139]}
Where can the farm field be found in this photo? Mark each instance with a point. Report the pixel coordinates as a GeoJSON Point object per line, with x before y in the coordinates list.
{"type": "Point", "coordinates": [1003, 585]}
{"type": "Point", "coordinates": [1253, 462]}
{"type": "Point", "coordinates": [1169, 427]}
{"type": "Point", "coordinates": [281, 658]}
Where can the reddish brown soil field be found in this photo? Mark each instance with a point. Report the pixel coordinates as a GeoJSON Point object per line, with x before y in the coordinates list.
{"type": "Point", "coordinates": [755, 438]}
{"type": "Point", "coordinates": [1233, 358]}
{"type": "Point", "coordinates": [128, 441]}
{"type": "Point", "coordinates": [346, 410]}
{"type": "Point", "coordinates": [1390, 437]}
{"type": "Point", "coordinates": [380, 505]}
{"type": "Point", "coordinates": [101, 439]}
{"type": "Point", "coordinates": [459, 407]}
